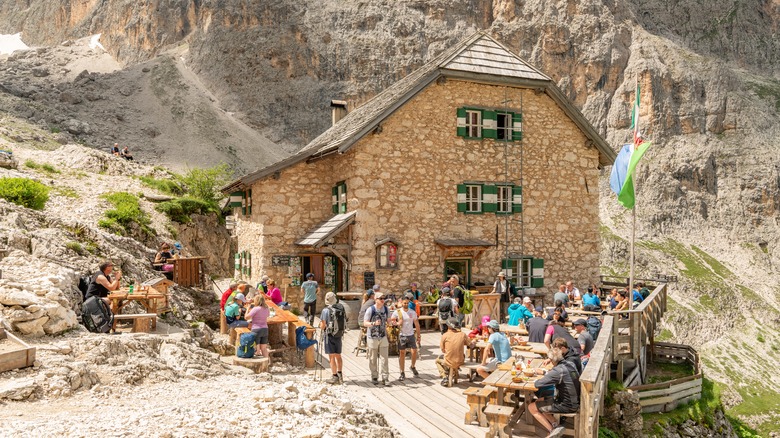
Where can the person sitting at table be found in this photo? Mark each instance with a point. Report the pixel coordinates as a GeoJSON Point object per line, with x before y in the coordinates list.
{"type": "Point", "coordinates": [275, 294]}
{"type": "Point", "coordinates": [561, 295]}
{"type": "Point", "coordinates": [101, 283]}
{"type": "Point", "coordinates": [636, 296]}
{"type": "Point", "coordinates": [263, 285]}
{"type": "Point", "coordinates": [234, 310]}
{"type": "Point", "coordinates": [258, 315]}
{"type": "Point", "coordinates": [556, 331]}
{"type": "Point", "coordinates": [566, 380]}
{"type": "Point", "coordinates": [591, 301]}
{"type": "Point", "coordinates": [502, 351]}
{"type": "Point", "coordinates": [537, 326]}
{"type": "Point", "coordinates": [572, 291]}
{"type": "Point", "coordinates": [559, 307]}
{"type": "Point", "coordinates": [482, 329]}
{"type": "Point", "coordinates": [622, 301]}
{"type": "Point", "coordinates": [233, 286]}
{"type": "Point", "coordinates": [452, 345]}
{"type": "Point", "coordinates": [613, 299]}
{"type": "Point", "coordinates": [518, 312]}
{"type": "Point", "coordinates": [584, 339]}
{"type": "Point", "coordinates": [643, 290]}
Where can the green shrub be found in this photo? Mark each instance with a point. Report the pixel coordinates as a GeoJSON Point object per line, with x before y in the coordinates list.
{"type": "Point", "coordinates": [180, 209]}
{"type": "Point", "coordinates": [167, 186]}
{"type": "Point", "coordinates": [204, 184]}
{"type": "Point", "coordinates": [126, 211]}
{"type": "Point", "coordinates": [75, 247]}
{"type": "Point", "coordinates": [48, 168]}
{"type": "Point", "coordinates": [24, 192]}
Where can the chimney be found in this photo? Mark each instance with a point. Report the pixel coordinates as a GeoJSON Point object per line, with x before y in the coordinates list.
{"type": "Point", "coordinates": [339, 109]}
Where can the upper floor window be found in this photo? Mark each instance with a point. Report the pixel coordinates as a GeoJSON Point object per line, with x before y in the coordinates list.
{"type": "Point", "coordinates": [339, 198]}
{"type": "Point", "coordinates": [504, 199]}
{"type": "Point", "coordinates": [490, 198]}
{"type": "Point", "coordinates": [473, 199]}
{"type": "Point", "coordinates": [473, 124]}
{"type": "Point", "coordinates": [476, 123]}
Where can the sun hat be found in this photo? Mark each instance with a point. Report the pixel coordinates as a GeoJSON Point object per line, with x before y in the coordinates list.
{"type": "Point", "coordinates": [379, 296]}
{"type": "Point", "coordinates": [330, 298]}
{"type": "Point", "coordinates": [493, 324]}
{"type": "Point", "coordinates": [485, 320]}
{"type": "Point", "coordinates": [501, 274]}
{"type": "Point", "coordinates": [239, 297]}
{"type": "Point", "coordinates": [526, 300]}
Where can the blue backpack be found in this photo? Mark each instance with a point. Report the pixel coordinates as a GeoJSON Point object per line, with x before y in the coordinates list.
{"type": "Point", "coordinates": [246, 346]}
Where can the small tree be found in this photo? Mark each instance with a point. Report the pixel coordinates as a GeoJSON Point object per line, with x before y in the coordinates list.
{"type": "Point", "coordinates": [204, 184]}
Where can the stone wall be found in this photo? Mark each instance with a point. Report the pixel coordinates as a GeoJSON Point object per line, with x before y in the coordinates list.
{"type": "Point", "coordinates": [403, 181]}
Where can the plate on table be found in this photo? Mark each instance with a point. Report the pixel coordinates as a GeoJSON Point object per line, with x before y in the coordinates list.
{"type": "Point", "coordinates": [518, 379]}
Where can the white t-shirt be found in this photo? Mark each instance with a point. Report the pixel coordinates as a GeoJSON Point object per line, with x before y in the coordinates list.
{"type": "Point", "coordinates": [407, 317]}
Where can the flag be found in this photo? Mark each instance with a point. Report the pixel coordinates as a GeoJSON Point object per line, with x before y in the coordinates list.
{"type": "Point", "coordinates": [621, 180]}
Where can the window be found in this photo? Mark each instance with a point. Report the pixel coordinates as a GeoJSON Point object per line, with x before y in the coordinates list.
{"type": "Point", "coordinates": [504, 126]}
{"type": "Point", "coordinates": [473, 124]}
{"type": "Point", "coordinates": [473, 199]}
{"type": "Point", "coordinates": [504, 200]}
{"type": "Point", "coordinates": [524, 272]}
{"type": "Point", "coordinates": [339, 198]}
{"type": "Point", "coordinates": [387, 255]}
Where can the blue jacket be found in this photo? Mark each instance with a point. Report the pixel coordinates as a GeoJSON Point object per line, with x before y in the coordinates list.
{"type": "Point", "coordinates": [518, 312]}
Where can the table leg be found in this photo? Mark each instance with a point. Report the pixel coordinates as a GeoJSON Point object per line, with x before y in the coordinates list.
{"type": "Point", "coordinates": [527, 396]}
{"type": "Point", "coordinates": [500, 396]}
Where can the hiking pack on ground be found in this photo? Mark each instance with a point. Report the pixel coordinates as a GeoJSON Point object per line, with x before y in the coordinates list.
{"type": "Point", "coordinates": [593, 327]}
{"type": "Point", "coordinates": [337, 321]}
{"type": "Point", "coordinates": [96, 316]}
{"type": "Point", "coordinates": [84, 285]}
{"type": "Point", "coordinates": [445, 309]}
{"type": "Point", "coordinates": [246, 346]}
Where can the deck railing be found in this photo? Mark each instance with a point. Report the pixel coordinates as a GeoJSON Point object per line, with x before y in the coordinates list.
{"type": "Point", "coordinates": [593, 381]}
{"type": "Point", "coordinates": [633, 328]}
{"type": "Point", "coordinates": [665, 396]}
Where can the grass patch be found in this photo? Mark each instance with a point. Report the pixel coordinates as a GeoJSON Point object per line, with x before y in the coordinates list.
{"type": "Point", "coordinates": [167, 186]}
{"type": "Point", "coordinates": [741, 429]}
{"type": "Point", "coordinates": [607, 234]}
{"type": "Point", "coordinates": [126, 211]}
{"type": "Point", "coordinates": [24, 192]}
{"type": "Point", "coordinates": [769, 90]}
{"type": "Point", "coordinates": [716, 266]}
{"type": "Point", "coordinates": [664, 336]}
{"type": "Point", "coordinates": [757, 400]}
{"type": "Point", "coordinates": [45, 167]}
{"type": "Point", "coordinates": [607, 433]}
{"type": "Point", "coordinates": [66, 192]}
{"type": "Point", "coordinates": [173, 230]}
{"type": "Point", "coordinates": [180, 209]}
{"type": "Point", "coordinates": [75, 247]}
{"type": "Point", "coordinates": [664, 372]}
{"type": "Point", "coordinates": [701, 411]}
{"type": "Point", "coordinates": [613, 386]}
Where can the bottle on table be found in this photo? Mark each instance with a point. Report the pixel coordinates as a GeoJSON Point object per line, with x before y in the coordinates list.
{"type": "Point", "coordinates": [131, 288]}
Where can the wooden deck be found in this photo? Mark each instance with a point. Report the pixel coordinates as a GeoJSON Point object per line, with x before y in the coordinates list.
{"type": "Point", "coordinates": [416, 407]}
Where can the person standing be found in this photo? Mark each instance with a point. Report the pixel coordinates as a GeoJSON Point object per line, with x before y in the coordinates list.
{"type": "Point", "coordinates": [447, 308]}
{"type": "Point", "coordinates": [101, 283]}
{"type": "Point", "coordinates": [310, 289]}
{"type": "Point", "coordinates": [258, 316]}
{"type": "Point", "coordinates": [409, 336]}
{"type": "Point", "coordinates": [459, 295]}
{"type": "Point", "coordinates": [506, 289]}
{"type": "Point", "coordinates": [502, 351]}
{"type": "Point", "coordinates": [452, 346]}
{"type": "Point", "coordinates": [375, 322]}
{"type": "Point", "coordinates": [332, 321]}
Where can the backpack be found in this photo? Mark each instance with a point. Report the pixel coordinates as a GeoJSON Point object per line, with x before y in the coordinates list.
{"type": "Point", "coordinates": [468, 302]}
{"type": "Point", "coordinates": [445, 309]}
{"type": "Point", "coordinates": [84, 285]}
{"type": "Point", "coordinates": [301, 341]}
{"type": "Point", "coordinates": [246, 346]}
{"type": "Point", "coordinates": [594, 327]}
{"type": "Point", "coordinates": [96, 315]}
{"type": "Point", "coordinates": [337, 321]}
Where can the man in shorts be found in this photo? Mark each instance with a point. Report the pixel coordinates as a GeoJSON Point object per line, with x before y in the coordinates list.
{"type": "Point", "coordinates": [566, 379]}
{"type": "Point", "coordinates": [409, 336]}
{"type": "Point", "coordinates": [501, 350]}
{"type": "Point", "coordinates": [332, 343]}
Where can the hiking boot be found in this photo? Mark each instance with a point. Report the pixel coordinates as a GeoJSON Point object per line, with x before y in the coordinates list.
{"type": "Point", "coordinates": [334, 380]}
{"type": "Point", "coordinates": [385, 382]}
{"type": "Point", "coordinates": [445, 382]}
{"type": "Point", "coordinates": [403, 376]}
{"type": "Point", "coordinates": [414, 371]}
{"type": "Point", "coordinates": [557, 432]}
{"type": "Point", "coordinates": [375, 381]}
{"type": "Point", "coordinates": [341, 377]}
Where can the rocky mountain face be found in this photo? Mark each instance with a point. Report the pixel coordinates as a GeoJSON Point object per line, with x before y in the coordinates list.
{"type": "Point", "coordinates": [708, 189]}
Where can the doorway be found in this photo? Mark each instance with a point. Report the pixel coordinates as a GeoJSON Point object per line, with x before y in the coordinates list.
{"type": "Point", "coordinates": [461, 267]}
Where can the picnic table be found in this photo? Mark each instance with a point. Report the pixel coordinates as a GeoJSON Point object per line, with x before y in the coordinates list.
{"type": "Point", "coordinates": [502, 380]}
{"type": "Point", "coordinates": [147, 297]}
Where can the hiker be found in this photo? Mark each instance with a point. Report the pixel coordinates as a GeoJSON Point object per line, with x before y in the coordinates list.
{"type": "Point", "coordinates": [559, 308]}
{"type": "Point", "coordinates": [447, 308]}
{"type": "Point", "coordinates": [452, 346]}
{"type": "Point", "coordinates": [537, 326]}
{"type": "Point", "coordinates": [310, 289]}
{"type": "Point", "coordinates": [263, 286]}
{"type": "Point", "coordinates": [414, 294]}
{"type": "Point", "coordinates": [332, 323]}
{"type": "Point", "coordinates": [572, 291]}
{"type": "Point", "coordinates": [258, 315]}
{"type": "Point", "coordinates": [622, 301]}
{"type": "Point", "coordinates": [375, 322]}
{"type": "Point", "coordinates": [233, 286]}
{"type": "Point", "coordinates": [368, 301]}
{"type": "Point", "coordinates": [613, 299]}
{"type": "Point", "coordinates": [518, 312]}
{"type": "Point", "coordinates": [126, 154]}
{"type": "Point", "coordinates": [584, 339]}
{"type": "Point", "coordinates": [115, 149]}
{"type": "Point", "coordinates": [556, 331]}
{"type": "Point", "coordinates": [591, 301]}
{"type": "Point", "coordinates": [636, 296]}
{"type": "Point", "coordinates": [482, 329]}
{"type": "Point", "coordinates": [566, 380]}
{"type": "Point", "coordinates": [459, 295]}
{"type": "Point", "coordinates": [233, 311]}
{"type": "Point", "coordinates": [506, 289]}
{"type": "Point", "coordinates": [644, 291]}
{"type": "Point", "coordinates": [561, 295]}
{"type": "Point", "coordinates": [275, 294]}
{"type": "Point", "coordinates": [501, 350]}
{"type": "Point", "coordinates": [409, 337]}
{"type": "Point", "coordinates": [101, 284]}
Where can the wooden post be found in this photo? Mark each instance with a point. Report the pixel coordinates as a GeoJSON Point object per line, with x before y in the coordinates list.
{"type": "Point", "coordinates": [309, 353]}
{"type": "Point", "coordinates": [223, 325]}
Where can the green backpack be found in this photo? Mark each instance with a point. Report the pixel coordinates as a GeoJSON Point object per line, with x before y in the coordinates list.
{"type": "Point", "coordinates": [468, 302]}
{"type": "Point", "coordinates": [433, 296]}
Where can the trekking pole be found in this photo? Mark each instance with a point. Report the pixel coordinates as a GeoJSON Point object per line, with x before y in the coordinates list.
{"type": "Point", "coordinates": [318, 357]}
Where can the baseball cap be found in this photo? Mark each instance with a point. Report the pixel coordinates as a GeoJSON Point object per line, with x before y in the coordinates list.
{"type": "Point", "coordinates": [539, 309]}
{"type": "Point", "coordinates": [581, 322]}
{"type": "Point", "coordinates": [445, 291]}
{"type": "Point", "coordinates": [375, 288]}
{"type": "Point", "coordinates": [379, 296]}
{"type": "Point", "coordinates": [454, 323]}
{"type": "Point", "coordinates": [501, 274]}
{"type": "Point", "coordinates": [526, 300]}
{"type": "Point", "coordinates": [493, 324]}
{"type": "Point", "coordinates": [485, 320]}
{"type": "Point", "coordinates": [370, 293]}
{"type": "Point", "coordinates": [240, 297]}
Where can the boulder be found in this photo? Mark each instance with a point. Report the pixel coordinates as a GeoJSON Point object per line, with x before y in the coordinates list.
{"type": "Point", "coordinates": [18, 389]}
{"type": "Point", "coordinates": [8, 161]}
{"type": "Point", "coordinates": [32, 328]}
{"type": "Point", "coordinates": [258, 364]}
{"type": "Point", "coordinates": [15, 297]}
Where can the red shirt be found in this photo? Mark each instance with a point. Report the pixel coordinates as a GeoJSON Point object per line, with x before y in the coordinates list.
{"type": "Point", "coordinates": [225, 296]}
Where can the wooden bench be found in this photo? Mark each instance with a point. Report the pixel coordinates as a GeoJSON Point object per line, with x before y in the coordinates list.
{"type": "Point", "coordinates": [477, 398]}
{"type": "Point", "coordinates": [472, 369]}
{"type": "Point", "coordinates": [569, 427]}
{"type": "Point", "coordinates": [498, 418]}
{"type": "Point", "coordinates": [235, 334]}
{"type": "Point", "coordinates": [435, 319]}
{"type": "Point", "coordinates": [142, 322]}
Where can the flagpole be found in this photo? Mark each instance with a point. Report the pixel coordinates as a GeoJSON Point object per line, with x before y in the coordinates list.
{"type": "Point", "coordinates": [633, 210]}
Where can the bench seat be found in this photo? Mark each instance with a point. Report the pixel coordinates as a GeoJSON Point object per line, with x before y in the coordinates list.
{"type": "Point", "coordinates": [142, 322]}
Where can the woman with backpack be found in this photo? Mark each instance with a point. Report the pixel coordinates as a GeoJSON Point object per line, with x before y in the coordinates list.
{"type": "Point", "coordinates": [258, 318]}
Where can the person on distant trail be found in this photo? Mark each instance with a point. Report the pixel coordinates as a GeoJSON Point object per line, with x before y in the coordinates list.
{"type": "Point", "coordinates": [101, 283]}
{"type": "Point", "coordinates": [409, 337]}
{"type": "Point", "coordinates": [126, 154]}
{"type": "Point", "coordinates": [258, 316]}
{"type": "Point", "coordinates": [233, 286]}
{"type": "Point", "coordinates": [310, 289]}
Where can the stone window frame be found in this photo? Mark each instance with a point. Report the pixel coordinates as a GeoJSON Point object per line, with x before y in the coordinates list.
{"type": "Point", "coordinates": [386, 243]}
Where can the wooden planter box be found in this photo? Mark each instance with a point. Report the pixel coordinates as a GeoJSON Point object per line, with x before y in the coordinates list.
{"type": "Point", "coordinates": [14, 353]}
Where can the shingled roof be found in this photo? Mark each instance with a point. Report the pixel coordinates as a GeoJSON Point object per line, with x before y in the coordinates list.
{"type": "Point", "coordinates": [478, 57]}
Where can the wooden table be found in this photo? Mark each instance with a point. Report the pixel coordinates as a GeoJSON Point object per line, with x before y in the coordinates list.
{"type": "Point", "coordinates": [275, 326]}
{"type": "Point", "coordinates": [148, 297]}
{"type": "Point", "coordinates": [502, 380]}
{"type": "Point", "coordinates": [187, 271]}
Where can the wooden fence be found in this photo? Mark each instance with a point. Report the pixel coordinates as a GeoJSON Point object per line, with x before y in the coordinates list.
{"type": "Point", "coordinates": [665, 396]}
{"type": "Point", "coordinates": [634, 328]}
{"type": "Point", "coordinates": [593, 382]}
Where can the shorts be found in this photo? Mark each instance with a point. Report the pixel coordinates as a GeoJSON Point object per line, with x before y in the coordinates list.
{"type": "Point", "coordinates": [491, 365]}
{"type": "Point", "coordinates": [407, 342]}
{"type": "Point", "coordinates": [261, 335]}
{"type": "Point", "coordinates": [549, 406]}
{"type": "Point", "coordinates": [332, 345]}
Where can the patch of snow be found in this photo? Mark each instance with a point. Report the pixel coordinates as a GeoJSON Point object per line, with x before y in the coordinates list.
{"type": "Point", "coordinates": [11, 43]}
{"type": "Point", "coordinates": [94, 42]}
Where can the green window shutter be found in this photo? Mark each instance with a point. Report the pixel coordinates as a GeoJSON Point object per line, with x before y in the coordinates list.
{"type": "Point", "coordinates": [235, 199]}
{"type": "Point", "coordinates": [249, 202]}
{"type": "Point", "coordinates": [489, 198]}
{"type": "Point", "coordinates": [507, 266]}
{"type": "Point", "coordinates": [488, 124]}
{"type": "Point", "coordinates": [249, 264]}
{"type": "Point", "coordinates": [517, 199]}
{"type": "Point", "coordinates": [334, 199]}
{"type": "Point", "coordinates": [461, 131]}
{"type": "Point", "coordinates": [461, 198]}
{"type": "Point", "coordinates": [537, 272]}
{"type": "Point", "coordinates": [517, 126]}
{"type": "Point", "coordinates": [343, 198]}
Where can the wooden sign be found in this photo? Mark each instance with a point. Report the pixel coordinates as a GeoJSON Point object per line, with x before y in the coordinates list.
{"type": "Point", "coordinates": [281, 260]}
{"type": "Point", "coordinates": [368, 280]}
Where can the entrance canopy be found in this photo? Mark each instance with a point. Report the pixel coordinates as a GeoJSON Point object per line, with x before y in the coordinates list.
{"type": "Point", "coordinates": [323, 232]}
{"type": "Point", "coordinates": [471, 247]}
